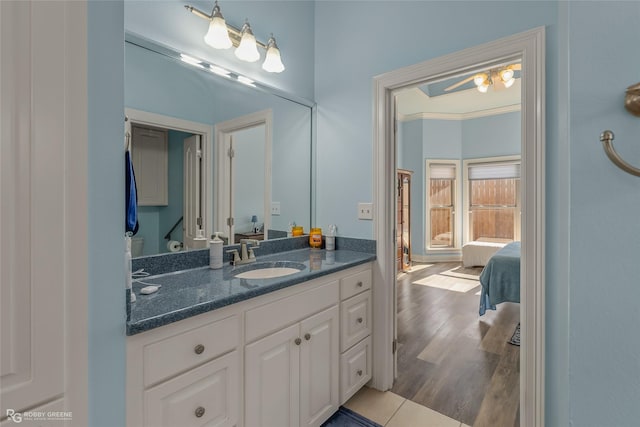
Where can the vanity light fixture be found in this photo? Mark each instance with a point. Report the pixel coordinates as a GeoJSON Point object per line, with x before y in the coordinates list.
{"type": "Point", "coordinates": [243, 39]}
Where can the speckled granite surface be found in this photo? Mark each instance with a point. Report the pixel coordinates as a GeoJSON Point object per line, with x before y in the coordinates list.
{"type": "Point", "coordinates": [189, 292]}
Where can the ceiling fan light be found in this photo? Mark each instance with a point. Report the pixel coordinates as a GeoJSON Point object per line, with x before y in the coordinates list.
{"type": "Point", "coordinates": [509, 82]}
{"type": "Point", "coordinates": [506, 75]}
{"type": "Point", "coordinates": [479, 79]}
{"type": "Point", "coordinates": [272, 62]}
{"type": "Point", "coordinates": [484, 87]}
{"type": "Point", "coordinates": [248, 49]}
{"type": "Point", "coordinates": [218, 34]}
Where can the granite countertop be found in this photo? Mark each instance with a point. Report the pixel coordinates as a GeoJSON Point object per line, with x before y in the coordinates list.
{"type": "Point", "coordinates": [194, 291]}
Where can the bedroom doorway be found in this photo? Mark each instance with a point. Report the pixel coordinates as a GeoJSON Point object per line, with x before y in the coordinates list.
{"type": "Point", "coordinates": [527, 47]}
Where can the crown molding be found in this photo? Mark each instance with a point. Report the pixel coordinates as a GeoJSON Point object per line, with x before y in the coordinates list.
{"type": "Point", "coordinates": [459, 116]}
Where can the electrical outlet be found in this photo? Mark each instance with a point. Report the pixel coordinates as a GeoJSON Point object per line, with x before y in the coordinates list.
{"type": "Point", "coordinates": [365, 210]}
{"type": "Point", "coordinates": [275, 208]}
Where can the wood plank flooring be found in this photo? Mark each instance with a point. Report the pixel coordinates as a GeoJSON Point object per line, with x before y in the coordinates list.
{"type": "Point", "coordinates": [449, 358]}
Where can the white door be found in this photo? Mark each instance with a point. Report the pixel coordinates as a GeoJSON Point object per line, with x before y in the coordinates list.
{"type": "Point", "coordinates": [272, 378]}
{"type": "Point", "coordinates": [44, 200]}
{"type": "Point", "coordinates": [319, 366]}
{"type": "Point", "coordinates": [192, 220]}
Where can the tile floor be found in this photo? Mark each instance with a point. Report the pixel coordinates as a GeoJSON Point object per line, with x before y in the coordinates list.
{"type": "Point", "coordinates": [391, 410]}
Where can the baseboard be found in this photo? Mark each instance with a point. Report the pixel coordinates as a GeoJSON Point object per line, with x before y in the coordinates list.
{"type": "Point", "coordinates": [437, 258]}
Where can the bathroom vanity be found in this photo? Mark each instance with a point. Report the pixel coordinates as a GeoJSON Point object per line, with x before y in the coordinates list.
{"type": "Point", "coordinates": [212, 349]}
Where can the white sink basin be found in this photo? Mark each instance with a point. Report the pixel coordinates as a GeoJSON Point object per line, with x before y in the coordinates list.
{"type": "Point", "coordinates": [267, 273]}
{"type": "Point", "coordinates": [269, 270]}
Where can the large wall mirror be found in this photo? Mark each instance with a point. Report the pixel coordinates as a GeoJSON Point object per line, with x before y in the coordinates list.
{"type": "Point", "coordinates": [212, 153]}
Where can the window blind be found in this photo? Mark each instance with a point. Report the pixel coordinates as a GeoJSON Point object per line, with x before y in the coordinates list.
{"type": "Point", "coordinates": [494, 171]}
{"type": "Point", "coordinates": [442, 171]}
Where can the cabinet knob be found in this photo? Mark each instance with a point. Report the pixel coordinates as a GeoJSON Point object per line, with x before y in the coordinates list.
{"type": "Point", "coordinates": [359, 320]}
{"type": "Point", "coordinates": [359, 372]}
{"type": "Point", "coordinates": [359, 284]}
{"type": "Point", "coordinates": [198, 349]}
{"type": "Point", "coordinates": [307, 336]}
{"type": "Point", "coordinates": [199, 411]}
{"type": "Point", "coordinates": [298, 341]}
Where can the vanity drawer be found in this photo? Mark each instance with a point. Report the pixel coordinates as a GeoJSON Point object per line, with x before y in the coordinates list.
{"type": "Point", "coordinates": [281, 313]}
{"type": "Point", "coordinates": [206, 396]}
{"type": "Point", "coordinates": [355, 319]}
{"type": "Point", "coordinates": [355, 369]}
{"type": "Point", "coordinates": [354, 284]}
{"type": "Point", "coordinates": [175, 354]}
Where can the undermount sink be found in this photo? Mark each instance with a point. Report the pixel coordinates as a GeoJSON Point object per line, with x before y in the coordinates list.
{"type": "Point", "coordinates": [269, 270]}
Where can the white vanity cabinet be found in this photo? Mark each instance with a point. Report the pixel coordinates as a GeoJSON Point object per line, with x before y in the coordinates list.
{"type": "Point", "coordinates": [271, 361]}
{"type": "Point", "coordinates": [186, 373]}
{"type": "Point", "coordinates": [355, 332]}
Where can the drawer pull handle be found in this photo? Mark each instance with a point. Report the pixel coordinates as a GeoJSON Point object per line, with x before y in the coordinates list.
{"type": "Point", "coordinates": [307, 336]}
{"type": "Point", "coordinates": [199, 349]}
{"type": "Point", "coordinates": [199, 411]}
{"type": "Point", "coordinates": [359, 284]}
{"type": "Point", "coordinates": [298, 341]}
{"type": "Point", "coordinates": [359, 372]}
{"type": "Point", "coordinates": [359, 320]}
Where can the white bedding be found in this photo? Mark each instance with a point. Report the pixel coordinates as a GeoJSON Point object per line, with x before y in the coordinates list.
{"type": "Point", "coordinates": [478, 253]}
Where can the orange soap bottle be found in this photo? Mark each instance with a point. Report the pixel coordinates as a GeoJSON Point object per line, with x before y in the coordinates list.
{"type": "Point", "coordinates": [315, 238]}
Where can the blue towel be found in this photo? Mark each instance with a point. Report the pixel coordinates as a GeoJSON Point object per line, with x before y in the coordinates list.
{"type": "Point", "coordinates": [131, 205]}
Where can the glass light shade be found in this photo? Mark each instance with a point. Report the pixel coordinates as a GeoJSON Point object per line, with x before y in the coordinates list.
{"type": "Point", "coordinates": [509, 82]}
{"type": "Point", "coordinates": [272, 62]}
{"type": "Point", "coordinates": [218, 35]}
{"type": "Point", "coordinates": [484, 87]}
{"type": "Point", "coordinates": [479, 79]}
{"type": "Point", "coordinates": [248, 49]}
{"type": "Point", "coordinates": [506, 74]}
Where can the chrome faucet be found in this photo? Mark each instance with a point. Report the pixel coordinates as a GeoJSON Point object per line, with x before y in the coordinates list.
{"type": "Point", "coordinates": [246, 252]}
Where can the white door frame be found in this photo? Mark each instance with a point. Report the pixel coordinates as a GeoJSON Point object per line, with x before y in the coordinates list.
{"type": "Point", "coordinates": [223, 131]}
{"type": "Point", "coordinates": [206, 132]}
{"type": "Point", "coordinates": [529, 46]}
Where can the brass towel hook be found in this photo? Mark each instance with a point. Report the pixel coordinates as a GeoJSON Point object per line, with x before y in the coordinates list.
{"type": "Point", "coordinates": [632, 104]}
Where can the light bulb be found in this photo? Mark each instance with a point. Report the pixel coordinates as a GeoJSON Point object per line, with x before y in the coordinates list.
{"type": "Point", "coordinates": [248, 49]}
{"type": "Point", "coordinates": [506, 74]}
{"type": "Point", "coordinates": [509, 82]}
{"type": "Point", "coordinates": [484, 87]}
{"type": "Point", "coordinates": [479, 79]}
{"type": "Point", "coordinates": [218, 34]}
{"type": "Point", "coordinates": [272, 62]}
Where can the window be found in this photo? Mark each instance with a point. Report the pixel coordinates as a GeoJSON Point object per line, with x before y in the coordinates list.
{"type": "Point", "coordinates": [493, 200]}
{"type": "Point", "coordinates": [441, 204]}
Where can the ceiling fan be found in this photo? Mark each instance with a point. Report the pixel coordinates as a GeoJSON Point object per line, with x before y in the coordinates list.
{"type": "Point", "coordinates": [499, 77]}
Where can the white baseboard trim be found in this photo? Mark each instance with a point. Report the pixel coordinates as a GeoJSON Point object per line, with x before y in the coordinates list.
{"type": "Point", "coordinates": [436, 258]}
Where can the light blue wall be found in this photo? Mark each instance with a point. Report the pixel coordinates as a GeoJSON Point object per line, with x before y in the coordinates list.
{"type": "Point", "coordinates": [491, 136]}
{"type": "Point", "coordinates": [344, 72]}
{"type": "Point", "coordinates": [605, 205]}
{"type": "Point", "coordinates": [106, 305]}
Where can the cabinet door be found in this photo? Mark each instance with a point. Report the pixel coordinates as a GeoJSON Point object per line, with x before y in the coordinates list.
{"type": "Point", "coordinates": [319, 369]}
{"type": "Point", "coordinates": [272, 377]}
{"type": "Point", "coordinates": [205, 396]}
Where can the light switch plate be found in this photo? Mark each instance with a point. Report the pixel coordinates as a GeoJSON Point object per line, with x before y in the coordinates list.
{"type": "Point", "coordinates": [275, 208]}
{"type": "Point", "coordinates": [365, 211]}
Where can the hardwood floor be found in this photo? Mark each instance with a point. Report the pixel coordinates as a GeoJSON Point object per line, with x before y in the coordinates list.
{"type": "Point", "coordinates": [449, 358]}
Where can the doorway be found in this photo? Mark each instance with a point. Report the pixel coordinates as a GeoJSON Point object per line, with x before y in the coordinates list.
{"type": "Point", "coordinates": [529, 47]}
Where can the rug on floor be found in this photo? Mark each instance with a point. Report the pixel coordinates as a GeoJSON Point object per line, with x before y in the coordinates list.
{"type": "Point", "coordinates": [347, 418]}
{"type": "Point", "coordinates": [515, 338]}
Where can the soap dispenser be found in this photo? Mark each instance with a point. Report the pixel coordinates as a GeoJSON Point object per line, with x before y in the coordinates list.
{"type": "Point", "coordinates": [215, 251]}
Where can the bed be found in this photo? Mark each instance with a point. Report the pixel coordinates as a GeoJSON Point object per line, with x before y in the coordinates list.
{"type": "Point", "coordinates": [478, 252]}
{"type": "Point", "coordinates": [500, 278]}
